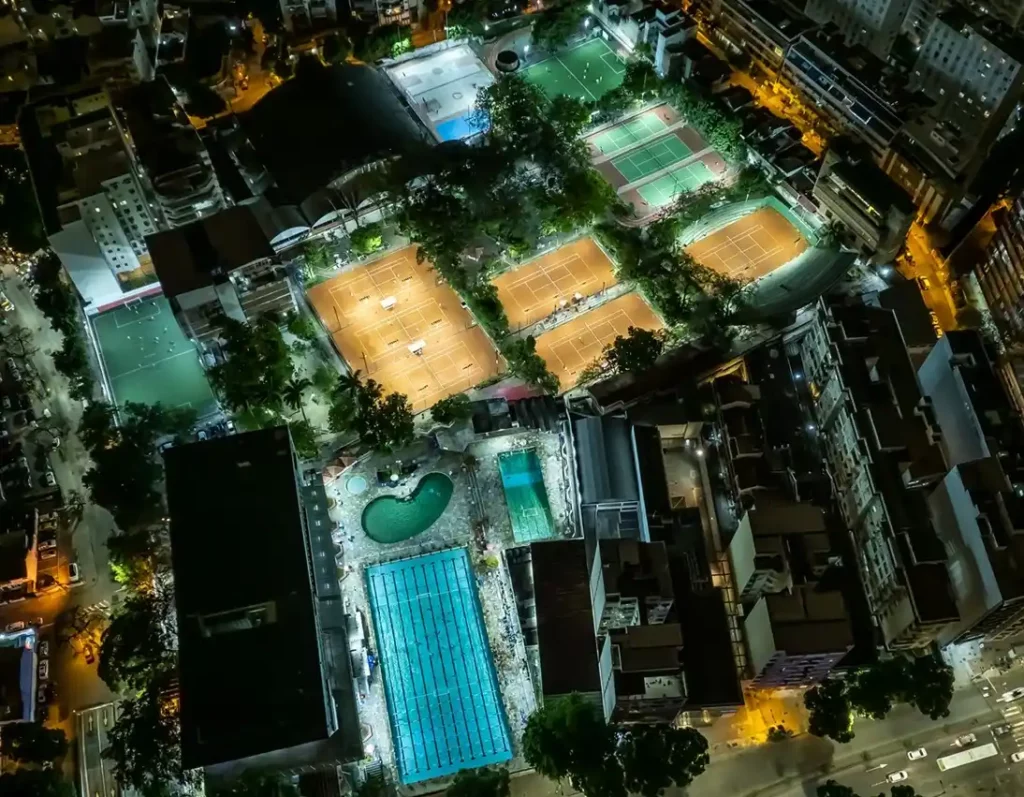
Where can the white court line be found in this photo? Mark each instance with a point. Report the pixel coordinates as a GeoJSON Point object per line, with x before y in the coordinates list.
{"type": "Point", "coordinates": [152, 364]}
{"type": "Point", "coordinates": [573, 75]}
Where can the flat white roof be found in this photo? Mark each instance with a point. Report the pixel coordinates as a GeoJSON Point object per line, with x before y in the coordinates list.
{"type": "Point", "coordinates": [443, 85]}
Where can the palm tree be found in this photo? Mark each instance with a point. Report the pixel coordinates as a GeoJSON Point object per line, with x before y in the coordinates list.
{"type": "Point", "coordinates": [293, 392]}
{"type": "Point", "coordinates": [348, 384]}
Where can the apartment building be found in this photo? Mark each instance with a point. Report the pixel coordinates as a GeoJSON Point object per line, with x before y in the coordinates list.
{"type": "Point", "coordinates": [664, 29]}
{"type": "Point", "coordinates": [1000, 273]}
{"type": "Point", "coordinates": [92, 199]}
{"type": "Point", "coordinates": [874, 24]}
{"type": "Point", "coordinates": [763, 30]}
{"type": "Point", "coordinates": [852, 89]}
{"type": "Point", "coordinates": [222, 266]}
{"type": "Point", "coordinates": [851, 189]}
{"type": "Point", "coordinates": [172, 159]}
{"type": "Point", "coordinates": [970, 66]}
{"type": "Point", "coordinates": [385, 12]}
{"type": "Point", "coordinates": [606, 625]}
{"type": "Point", "coordinates": [306, 15]}
{"type": "Point", "coordinates": [882, 444]}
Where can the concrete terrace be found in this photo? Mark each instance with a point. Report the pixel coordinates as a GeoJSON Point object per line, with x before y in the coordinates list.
{"type": "Point", "coordinates": [477, 502]}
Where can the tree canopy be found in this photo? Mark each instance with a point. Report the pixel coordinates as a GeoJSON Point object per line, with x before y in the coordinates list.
{"type": "Point", "coordinates": [30, 742]}
{"type": "Point", "coordinates": [637, 351]}
{"type": "Point", "coordinates": [253, 784]}
{"type": "Point", "coordinates": [480, 783]}
{"type": "Point", "coordinates": [830, 712]}
{"type": "Point", "coordinates": [24, 782]}
{"type": "Point", "coordinates": [256, 368]}
{"type": "Point", "coordinates": [452, 409]}
{"type": "Point", "coordinates": [137, 648]}
{"type": "Point", "coordinates": [558, 23]}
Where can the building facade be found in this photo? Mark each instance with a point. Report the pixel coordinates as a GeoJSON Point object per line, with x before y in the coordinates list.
{"type": "Point", "coordinates": [1000, 273]}
{"type": "Point", "coordinates": [763, 30]}
{"type": "Point", "coordinates": [874, 24]}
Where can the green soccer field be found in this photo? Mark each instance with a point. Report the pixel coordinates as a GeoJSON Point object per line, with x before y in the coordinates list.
{"type": "Point", "coordinates": [585, 72]}
{"type": "Point", "coordinates": [629, 133]}
{"type": "Point", "coordinates": [149, 360]}
{"type": "Point", "coordinates": [677, 182]}
{"type": "Point", "coordinates": [649, 158]}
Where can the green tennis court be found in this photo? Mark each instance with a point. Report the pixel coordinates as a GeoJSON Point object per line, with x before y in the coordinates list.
{"type": "Point", "coordinates": [585, 72]}
{"type": "Point", "coordinates": [679, 181]}
{"type": "Point", "coordinates": [646, 160]}
{"type": "Point", "coordinates": [523, 482]}
{"type": "Point", "coordinates": [149, 359]}
{"type": "Point", "coordinates": [629, 133]}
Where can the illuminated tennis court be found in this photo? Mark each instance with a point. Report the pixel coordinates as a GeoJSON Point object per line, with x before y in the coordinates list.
{"type": "Point", "coordinates": [751, 247]}
{"type": "Point", "coordinates": [537, 289]}
{"type": "Point", "coordinates": [668, 187]}
{"type": "Point", "coordinates": [394, 321]}
{"type": "Point", "coordinates": [522, 479]}
{"type": "Point", "coordinates": [444, 703]}
{"type": "Point", "coordinates": [571, 347]}
{"type": "Point", "coordinates": [650, 158]}
{"type": "Point", "coordinates": [149, 360]}
{"type": "Point", "coordinates": [585, 72]}
{"type": "Point", "coordinates": [633, 131]}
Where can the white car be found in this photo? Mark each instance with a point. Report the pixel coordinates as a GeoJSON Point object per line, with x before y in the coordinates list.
{"type": "Point", "coordinates": [44, 669]}
{"type": "Point", "coordinates": [1017, 757]}
{"type": "Point", "coordinates": [17, 626]}
{"type": "Point", "coordinates": [917, 754]}
{"type": "Point", "coordinates": [49, 479]}
{"type": "Point", "coordinates": [896, 777]}
{"type": "Point", "coordinates": [74, 576]}
{"type": "Point", "coordinates": [965, 740]}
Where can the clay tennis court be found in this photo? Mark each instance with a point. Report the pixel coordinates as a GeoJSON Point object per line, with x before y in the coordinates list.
{"type": "Point", "coordinates": [751, 247]}
{"type": "Point", "coordinates": [395, 323]}
{"type": "Point", "coordinates": [571, 347]}
{"type": "Point", "coordinates": [537, 289]}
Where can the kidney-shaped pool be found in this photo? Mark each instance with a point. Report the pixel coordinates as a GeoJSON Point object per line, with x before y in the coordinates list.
{"type": "Point", "coordinates": [388, 519]}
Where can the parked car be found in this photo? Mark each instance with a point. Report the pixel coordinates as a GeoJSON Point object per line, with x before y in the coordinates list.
{"type": "Point", "coordinates": [44, 648]}
{"type": "Point", "coordinates": [90, 657]}
{"type": "Point", "coordinates": [15, 626]}
{"type": "Point", "coordinates": [74, 575]}
{"type": "Point", "coordinates": [49, 479]}
{"type": "Point", "coordinates": [49, 553]}
{"type": "Point", "coordinates": [202, 435]}
{"type": "Point", "coordinates": [1001, 730]}
{"type": "Point", "coordinates": [5, 402]}
{"type": "Point", "coordinates": [1017, 757]}
{"type": "Point", "coordinates": [896, 777]}
{"type": "Point", "coordinates": [919, 753]}
{"type": "Point", "coordinates": [966, 740]}
{"type": "Point", "coordinates": [44, 669]}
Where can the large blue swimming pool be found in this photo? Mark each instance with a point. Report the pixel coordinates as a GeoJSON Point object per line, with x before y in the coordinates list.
{"type": "Point", "coordinates": [443, 699]}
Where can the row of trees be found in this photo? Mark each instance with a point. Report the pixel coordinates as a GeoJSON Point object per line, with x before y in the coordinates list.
{"type": "Point", "coordinates": [831, 788]}
{"type": "Point", "coordinates": [57, 303]}
{"type": "Point", "coordinates": [924, 682]}
{"type": "Point", "coordinates": [383, 421]}
{"type": "Point", "coordinates": [568, 739]}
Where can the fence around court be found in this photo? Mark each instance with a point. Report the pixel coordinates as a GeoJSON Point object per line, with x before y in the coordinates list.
{"type": "Point", "coordinates": [735, 211]}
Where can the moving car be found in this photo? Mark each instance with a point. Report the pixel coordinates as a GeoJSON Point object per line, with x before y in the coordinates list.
{"type": "Point", "coordinates": [896, 777]}
{"type": "Point", "coordinates": [919, 753]}
{"type": "Point", "coordinates": [74, 576]}
{"type": "Point", "coordinates": [966, 739]}
{"type": "Point", "coordinates": [1001, 730]}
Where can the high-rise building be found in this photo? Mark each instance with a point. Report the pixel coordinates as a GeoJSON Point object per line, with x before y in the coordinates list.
{"type": "Point", "coordinates": [970, 66]}
{"type": "Point", "coordinates": [764, 30]}
{"type": "Point", "coordinates": [875, 24]}
{"type": "Point", "coordinates": [94, 207]}
{"type": "Point", "coordinates": [1000, 273]}
{"type": "Point", "coordinates": [881, 441]}
{"type": "Point", "coordinates": [173, 159]}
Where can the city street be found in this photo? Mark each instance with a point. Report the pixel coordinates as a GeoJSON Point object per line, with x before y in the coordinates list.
{"type": "Point", "coordinates": [74, 683]}
{"type": "Point", "coordinates": [96, 773]}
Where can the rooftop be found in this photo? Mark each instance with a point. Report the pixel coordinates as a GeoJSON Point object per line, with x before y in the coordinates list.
{"type": "Point", "coordinates": [250, 668]}
{"type": "Point", "coordinates": [359, 121]}
{"type": "Point", "coordinates": [204, 252]}
{"type": "Point", "coordinates": [992, 30]}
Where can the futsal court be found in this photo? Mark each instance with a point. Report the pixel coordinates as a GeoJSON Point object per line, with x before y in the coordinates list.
{"type": "Point", "coordinates": [443, 699]}
{"type": "Point", "coordinates": [394, 321]}
{"type": "Point", "coordinates": [149, 360]}
{"type": "Point", "coordinates": [553, 281]}
{"type": "Point", "coordinates": [751, 247]}
{"type": "Point", "coordinates": [571, 347]}
{"type": "Point", "coordinates": [443, 87]}
{"type": "Point", "coordinates": [647, 159]}
{"type": "Point", "coordinates": [585, 72]}
{"type": "Point", "coordinates": [633, 131]}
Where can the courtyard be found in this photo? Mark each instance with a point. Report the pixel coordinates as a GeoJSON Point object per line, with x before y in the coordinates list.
{"type": "Point", "coordinates": [148, 360]}
{"type": "Point", "coordinates": [397, 323]}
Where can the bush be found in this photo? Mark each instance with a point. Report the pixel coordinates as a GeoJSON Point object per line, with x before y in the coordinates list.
{"type": "Point", "coordinates": [524, 362]}
{"type": "Point", "coordinates": [367, 239]}
{"type": "Point", "coordinates": [301, 326]}
{"type": "Point", "coordinates": [452, 409]}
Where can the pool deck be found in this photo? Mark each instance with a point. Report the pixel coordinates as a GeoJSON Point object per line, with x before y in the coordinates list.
{"type": "Point", "coordinates": [476, 494]}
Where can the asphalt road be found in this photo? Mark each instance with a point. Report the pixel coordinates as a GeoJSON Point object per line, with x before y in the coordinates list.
{"type": "Point", "coordinates": [96, 777]}
{"type": "Point", "coordinates": [74, 683]}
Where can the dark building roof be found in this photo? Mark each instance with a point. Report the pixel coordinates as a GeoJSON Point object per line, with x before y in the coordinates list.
{"type": "Point", "coordinates": [565, 618]}
{"type": "Point", "coordinates": [250, 665]}
{"type": "Point", "coordinates": [13, 698]}
{"type": "Point", "coordinates": [193, 256]}
{"type": "Point", "coordinates": [14, 547]}
{"type": "Point", "coordinates": [605, 454]}
{"type": "Point", "coordinates": [358, 120]}
{"type": "Point", "coordinates": [905, 300]}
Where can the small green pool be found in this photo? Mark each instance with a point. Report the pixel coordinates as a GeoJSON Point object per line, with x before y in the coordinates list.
{"type": "Point", "coordinates": [388, 519]}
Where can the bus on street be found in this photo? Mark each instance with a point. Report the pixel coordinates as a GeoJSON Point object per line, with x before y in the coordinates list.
{"type": "Point", "coordinates": [967, 756]}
